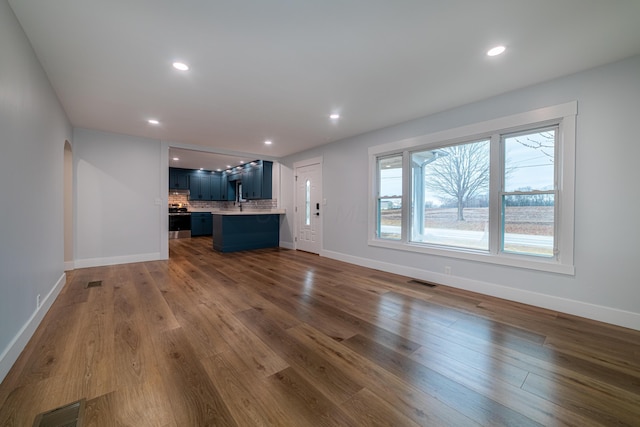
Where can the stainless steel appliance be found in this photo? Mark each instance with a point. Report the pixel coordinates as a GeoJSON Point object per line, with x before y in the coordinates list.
{"type": "Point", "coordinates": [179, 222]}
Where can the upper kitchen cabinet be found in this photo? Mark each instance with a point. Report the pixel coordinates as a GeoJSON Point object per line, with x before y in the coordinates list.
{"type": "Point", "coordinates": [179, 178]}
{"type": "Point", "coordinates": [200, 185]}
{"type": "Point", "coordinates": [227, 188]}
{"type": "Point", "coordinates": [256, 180]}
{"type": "Point", "coordinates": [234, 174]}
{"type": "Point", "coordinates": [207, 185]}
{"type": "Point", "coordinates": [215, 182]}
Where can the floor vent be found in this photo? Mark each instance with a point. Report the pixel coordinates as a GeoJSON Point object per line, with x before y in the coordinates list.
{"type": "Point", "coordinates": [66, 416]}
{"type": "Point", "coordinates": [422, 282]}
{"type": "Point", "coordinates": [94, 284]}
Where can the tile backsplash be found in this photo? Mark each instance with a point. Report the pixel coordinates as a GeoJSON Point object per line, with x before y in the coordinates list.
{"type": "Point", "coordinates": [183, 199]}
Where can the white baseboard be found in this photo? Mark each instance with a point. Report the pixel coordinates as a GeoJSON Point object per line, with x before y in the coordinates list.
{"type": "Point", "coordinates": [600, 313]}
{"type": "Point", "coordinates": [11, 353]}
{"type": "Point", "coordinates": [124, 259]}
{"type": "Point", "coordinates": [287, 245]}
{"type": "Point", "coordinates": [69, 265]}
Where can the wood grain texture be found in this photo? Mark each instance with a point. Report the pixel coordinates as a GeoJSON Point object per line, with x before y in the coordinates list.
{"type": "Point", "coordinates": [275, 337]}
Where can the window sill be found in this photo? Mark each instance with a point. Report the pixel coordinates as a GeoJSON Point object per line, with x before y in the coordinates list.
{"type": "Point", "coordinates": [509, 260]}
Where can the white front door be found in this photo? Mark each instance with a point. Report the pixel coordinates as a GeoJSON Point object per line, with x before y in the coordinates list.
{"type": "Point", "coordinates": [308, 179]}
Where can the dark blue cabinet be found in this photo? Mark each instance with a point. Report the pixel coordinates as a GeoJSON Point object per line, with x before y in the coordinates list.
{"type": "Point", "coordinates": [257, 180]}
{"type": "Point", "coordinates": [206, 185]}
{"type": "Point", "coordinates": [228, 186]}
{"type": "Point", "coordinates": [244, 232]}
{"type": "Point", "coordinates": [200, 185]}
{"type": "Point", "coordinates": [201, 224]}
{"type": "Point", "coordinates": [215, 184]}
{"type": "Point", "coordinates": [179, 178]}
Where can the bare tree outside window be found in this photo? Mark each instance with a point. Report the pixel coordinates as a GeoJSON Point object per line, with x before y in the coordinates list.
{"type": "Point", "coordinates": [461, 173]}
{"type": "Point", "coordinates": [450, 195]}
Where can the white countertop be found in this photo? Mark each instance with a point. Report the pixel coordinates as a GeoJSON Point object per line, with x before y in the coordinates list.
{"type": "Point", "coordinates": [244, 211]}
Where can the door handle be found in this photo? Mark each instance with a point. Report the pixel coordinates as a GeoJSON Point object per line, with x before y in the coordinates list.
{"type": "Point", "coordinates": [317, 213]}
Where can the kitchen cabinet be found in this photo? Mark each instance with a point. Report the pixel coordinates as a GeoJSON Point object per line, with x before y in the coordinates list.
{"type": "Point", "coordinates": [256, 180]}
{"type": "Point", "coordinates": [206, 185]}
{"type": "Point", "coordinates": [227, 188]}
{"type": "Point", "coordinates": [200, 185]}
{"type": "Point", "coordinates": [179, 178]}
{"type": "Point", "coordinates": [215, 182]}
{"type": "Point", "coordinates": [201, 224]}
{"type": "Point", "coordinates": [244, 231]}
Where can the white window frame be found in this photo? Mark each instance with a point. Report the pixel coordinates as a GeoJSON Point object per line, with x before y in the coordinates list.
{"type": "Point", "coordinates": [562, 115]}
{"type": "Point", "coordinates": [379, 196]}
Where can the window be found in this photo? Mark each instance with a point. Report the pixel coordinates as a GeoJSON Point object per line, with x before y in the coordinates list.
{"type": "Point", "coordinates": [528, 193]}
{"type": "Point", "coordinates": [307, 203]}
{"type": "Point", "coordinates": [450, 195]}
{"type": "Point", "coordinates": [389, 199]}
{"type": "Point", "coordinates": [499, 191]}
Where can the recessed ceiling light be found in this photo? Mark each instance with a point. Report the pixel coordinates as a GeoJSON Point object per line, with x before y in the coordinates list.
{"type": "Point", "coordinates": [334, 116]}
{"type": "Point", "coordinates": [180, 66]}
{"type": "Point", "coordinates": [496, 50]}
{"type": "Point", "coordinates": [176, 159]}
{"type": "Point", "coordinates": [153, 122]}
{"type": "Point", "coordinates": [268, 142]}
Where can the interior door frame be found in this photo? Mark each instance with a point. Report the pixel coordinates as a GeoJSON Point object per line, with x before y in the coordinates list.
{"type": "Point", "coordinates": [296, 166]}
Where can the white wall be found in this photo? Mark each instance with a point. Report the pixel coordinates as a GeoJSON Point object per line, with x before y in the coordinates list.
{"type": "Point", "coordinates": [120, 198]}
{"type": "Point", "coordinates": [606, 285]}
{"type": "Point", "coordinates": [33, 130]}
{"type": "Point", "coordinates": [285, 201]}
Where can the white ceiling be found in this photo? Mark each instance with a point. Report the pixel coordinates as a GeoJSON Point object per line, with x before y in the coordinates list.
{"type": "Point", "coordinates": [276, 69]}
{"type": "Point", "coordinates": [192, 159]}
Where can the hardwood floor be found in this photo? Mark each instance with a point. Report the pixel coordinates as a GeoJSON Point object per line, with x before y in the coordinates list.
{"type": "Point", "coordinates": [284, 338]}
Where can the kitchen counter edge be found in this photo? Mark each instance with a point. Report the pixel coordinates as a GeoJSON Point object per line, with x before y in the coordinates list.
{"type": "Point", "coordinates": [244, 212]}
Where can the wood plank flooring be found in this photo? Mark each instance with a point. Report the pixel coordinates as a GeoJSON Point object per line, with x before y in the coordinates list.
{"type": "Point", "coordinates": [276, 337]}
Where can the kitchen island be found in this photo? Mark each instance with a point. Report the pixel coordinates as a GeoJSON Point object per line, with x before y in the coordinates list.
{"type": "Point", "coordinates": [235, 230]}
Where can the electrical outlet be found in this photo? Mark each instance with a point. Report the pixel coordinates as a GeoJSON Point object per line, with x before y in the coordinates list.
{"type": "Point", "coordinates": [38, 301]}
{"type": "Point", "coordinates": [447, 270]}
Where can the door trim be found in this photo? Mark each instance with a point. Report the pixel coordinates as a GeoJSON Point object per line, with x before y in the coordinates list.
{"type": "Point", "coordinates": [296, 166]}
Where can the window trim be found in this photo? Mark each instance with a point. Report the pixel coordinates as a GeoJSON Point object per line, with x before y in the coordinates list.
{"type": "Point", "coordinates": [562, 115]}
